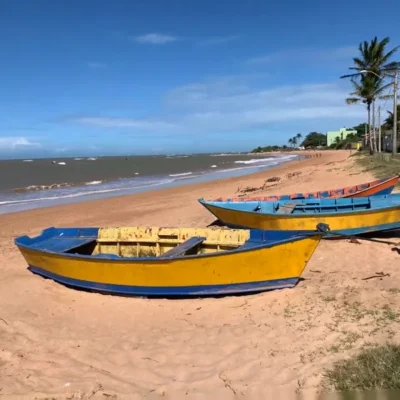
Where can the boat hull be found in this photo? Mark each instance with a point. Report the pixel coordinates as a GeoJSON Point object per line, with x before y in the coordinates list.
{"type": "Point", "coordinates": [256, 269]}
{"type": "Point", "coordinates": [378, 187]}
{"type": "Point", "coordinates": [350, 223]}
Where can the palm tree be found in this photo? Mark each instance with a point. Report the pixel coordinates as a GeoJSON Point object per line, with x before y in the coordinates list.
{"type": "Point", "coordinates": [366, 91]}
{"type": "Point", "coordinates": [290, 141]}
{"type": "Point", "coordinates": [372, 57]}
{"type": "Point", "coordinates": [389, 119]}
{"type": "Point", "coordinates": [294, 141]}
{"type": "Point", "coordinates": [299, 136]}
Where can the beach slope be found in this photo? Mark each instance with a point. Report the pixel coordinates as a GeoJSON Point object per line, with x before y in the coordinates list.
{"type": "Point", "coordinates": [63, 343]}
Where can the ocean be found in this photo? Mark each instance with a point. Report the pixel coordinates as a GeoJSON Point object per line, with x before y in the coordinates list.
{"type": "Point", "coordinates": [28, 184]}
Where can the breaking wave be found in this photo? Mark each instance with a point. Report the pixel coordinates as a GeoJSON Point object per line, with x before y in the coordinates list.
{"type": "Point", "coordinates": [177, 175]}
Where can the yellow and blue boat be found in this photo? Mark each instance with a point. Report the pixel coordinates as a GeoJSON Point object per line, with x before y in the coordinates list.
{"type": "Point", "coordinates": [169, 261]}
{"type": "Point", "coordinates": [346, 216]}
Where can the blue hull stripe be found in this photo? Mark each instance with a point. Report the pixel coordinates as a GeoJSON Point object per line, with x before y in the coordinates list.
{"type": "Point", "coordinates": [204, 290]}
{"type": "Point", "coordinates": [353, 231]}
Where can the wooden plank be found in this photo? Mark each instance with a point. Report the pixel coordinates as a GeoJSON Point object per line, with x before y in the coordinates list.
{"type": "Point", "coordinates": [286, 208]}
{"type": "Point", "coordinates": [183, 247]}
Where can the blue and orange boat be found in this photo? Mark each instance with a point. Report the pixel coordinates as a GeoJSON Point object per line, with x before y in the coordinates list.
{"type": "Point", "coordinates": [377, 187]}
{"type": "Point", "coordinates": [169, 261]}
{"type": "Point", "coordinates": [348, 216]}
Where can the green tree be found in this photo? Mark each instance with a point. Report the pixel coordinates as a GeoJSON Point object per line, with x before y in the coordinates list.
{"type": "Point", "coordinates": [361, 129]}
{"type": "Point", "coordinates": [290, 141]}
{"type": "Point", "coordinates": [372, 57]}
{"type": "Point", "coordinates": [314, 139]}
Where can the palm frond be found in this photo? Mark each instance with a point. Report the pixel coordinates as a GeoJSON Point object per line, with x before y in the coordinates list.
{"type": "Point", "coordinates": [388, 55]}
{"type": "Point", "coordinates": [385, 97]}
{"type": "Point", "coordinates": [393, 66]}
{"type": "Point", "coordinates": [353, 100]}
{"type": "Point", "coordinates": [350, 75]}
{"type": "Point", "coordinates": [381, 89]}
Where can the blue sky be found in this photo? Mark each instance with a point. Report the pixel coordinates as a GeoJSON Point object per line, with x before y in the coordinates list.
{"type": "Point", "coordinates": [141, 77]}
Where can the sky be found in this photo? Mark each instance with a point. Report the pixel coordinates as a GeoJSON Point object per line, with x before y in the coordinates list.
{"type": "Point", "coordinates": [179, 76]}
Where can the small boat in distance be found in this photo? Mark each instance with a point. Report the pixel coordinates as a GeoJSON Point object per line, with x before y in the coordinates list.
{"type": "Point", "coordinates": [169, 261]}
{"type": "Point", "coordinates": [377, 187]}
{"type": "Point", "coordinates": [351, 216]}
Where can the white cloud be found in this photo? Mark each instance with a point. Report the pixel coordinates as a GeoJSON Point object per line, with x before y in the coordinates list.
{"type": "Point", "coordinates": [13, 143]}
{"type": "Point", "coordinates": [155, 38]}
{"type": "Point", "coordinates": [139, 124]}
{"type": "Point", "coordinates": [96, 65]}
{"type": "Point", "coordinates": [214, 41]}
{"type": "Point", "coordinates": [229, 105]}
{"type": "Point", "coordinates": [306, 54]}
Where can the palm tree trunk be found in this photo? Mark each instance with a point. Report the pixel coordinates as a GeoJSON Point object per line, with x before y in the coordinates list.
{"type": "Point", "coordinates": [371, 150]}
{"type": "Point", "coordinates": [373, 127]}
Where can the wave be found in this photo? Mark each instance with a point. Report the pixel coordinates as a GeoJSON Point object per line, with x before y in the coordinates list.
{"type": "Point", "coordinates": [94, 183]}
{"type": "Point", "coordinates": [78, 159]}
{"type": "Point", "coordinates": [254, 160]}
{"type": "Point", "coordinates": [27, 160]}
{"type": "Point", "coordinates": [213, 166]}
{"type": "Point", "coordinates": [84, 193]}
{"type": "Point", "coordinates": [266, 159]}
{"type": "Point", "coordinates": [62, 163]}
{"type": "Point", "coordinates": [177, 175]}
{"type": "Point", "coordinates": [226, 154]}
{"type": "Point", "coordinates": [35, 188]}
{"type": "Point", "coordinates": [92, 159]}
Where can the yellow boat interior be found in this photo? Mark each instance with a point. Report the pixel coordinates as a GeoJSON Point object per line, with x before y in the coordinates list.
{"type": "Point", "coordinates": [166, 242]}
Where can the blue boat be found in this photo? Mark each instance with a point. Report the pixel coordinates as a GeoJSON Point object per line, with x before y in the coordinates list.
{"type": "Point", "coordinates": [348, 216]}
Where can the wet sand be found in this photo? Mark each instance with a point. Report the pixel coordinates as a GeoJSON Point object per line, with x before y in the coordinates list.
{"type": "Point", "coordinates": [63, 343]}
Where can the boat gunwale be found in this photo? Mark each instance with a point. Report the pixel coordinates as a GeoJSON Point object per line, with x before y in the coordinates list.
{"type": "Point", "coordinates": [262, 245]}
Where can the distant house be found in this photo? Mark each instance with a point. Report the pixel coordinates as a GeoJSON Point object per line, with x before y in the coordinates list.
{"type": "Point", "coordinates": [331, 137]}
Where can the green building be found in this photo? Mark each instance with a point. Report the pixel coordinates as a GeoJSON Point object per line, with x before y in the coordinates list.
{"type": "Point", "coordinates": [341, 134]}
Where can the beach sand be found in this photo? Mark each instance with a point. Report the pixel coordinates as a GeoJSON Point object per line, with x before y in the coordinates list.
{"type": "Point", "coordinates": [62, 343]}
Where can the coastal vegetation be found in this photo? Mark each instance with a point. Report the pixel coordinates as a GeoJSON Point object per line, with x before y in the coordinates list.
{"type": "Point", "coordinates": [267, 149]}
{"type": "Point", "coordinates": [370, 68]}
{"type": "Point", "coordinates": [376, 368]}
{"type": "Point", "coordinates": [381, 166]}
{"type": "Point", "coordinates": [295, 139]}
{"type": "Point", "coordinates": [311, 140]}
{"type": "Point", "coordinates": [372, 79]}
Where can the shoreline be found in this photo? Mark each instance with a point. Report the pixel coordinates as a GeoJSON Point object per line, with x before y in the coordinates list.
{"type": "Point", "coordinates": [302, 161]}
{"type": "Point", "coordinates": [59, 342]}
{"type": "Point", "coordinates": [98, 186]}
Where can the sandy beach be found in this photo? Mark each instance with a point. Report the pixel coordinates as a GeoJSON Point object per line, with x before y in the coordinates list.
{"type": "Point", "coordinates": [62, 343]}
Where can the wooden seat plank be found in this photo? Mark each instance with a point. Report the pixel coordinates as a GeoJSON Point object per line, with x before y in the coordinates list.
{"type": "Point", "coordinates": [286, 208]}
{"type": "Point", "coordinates": [182, 248]}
